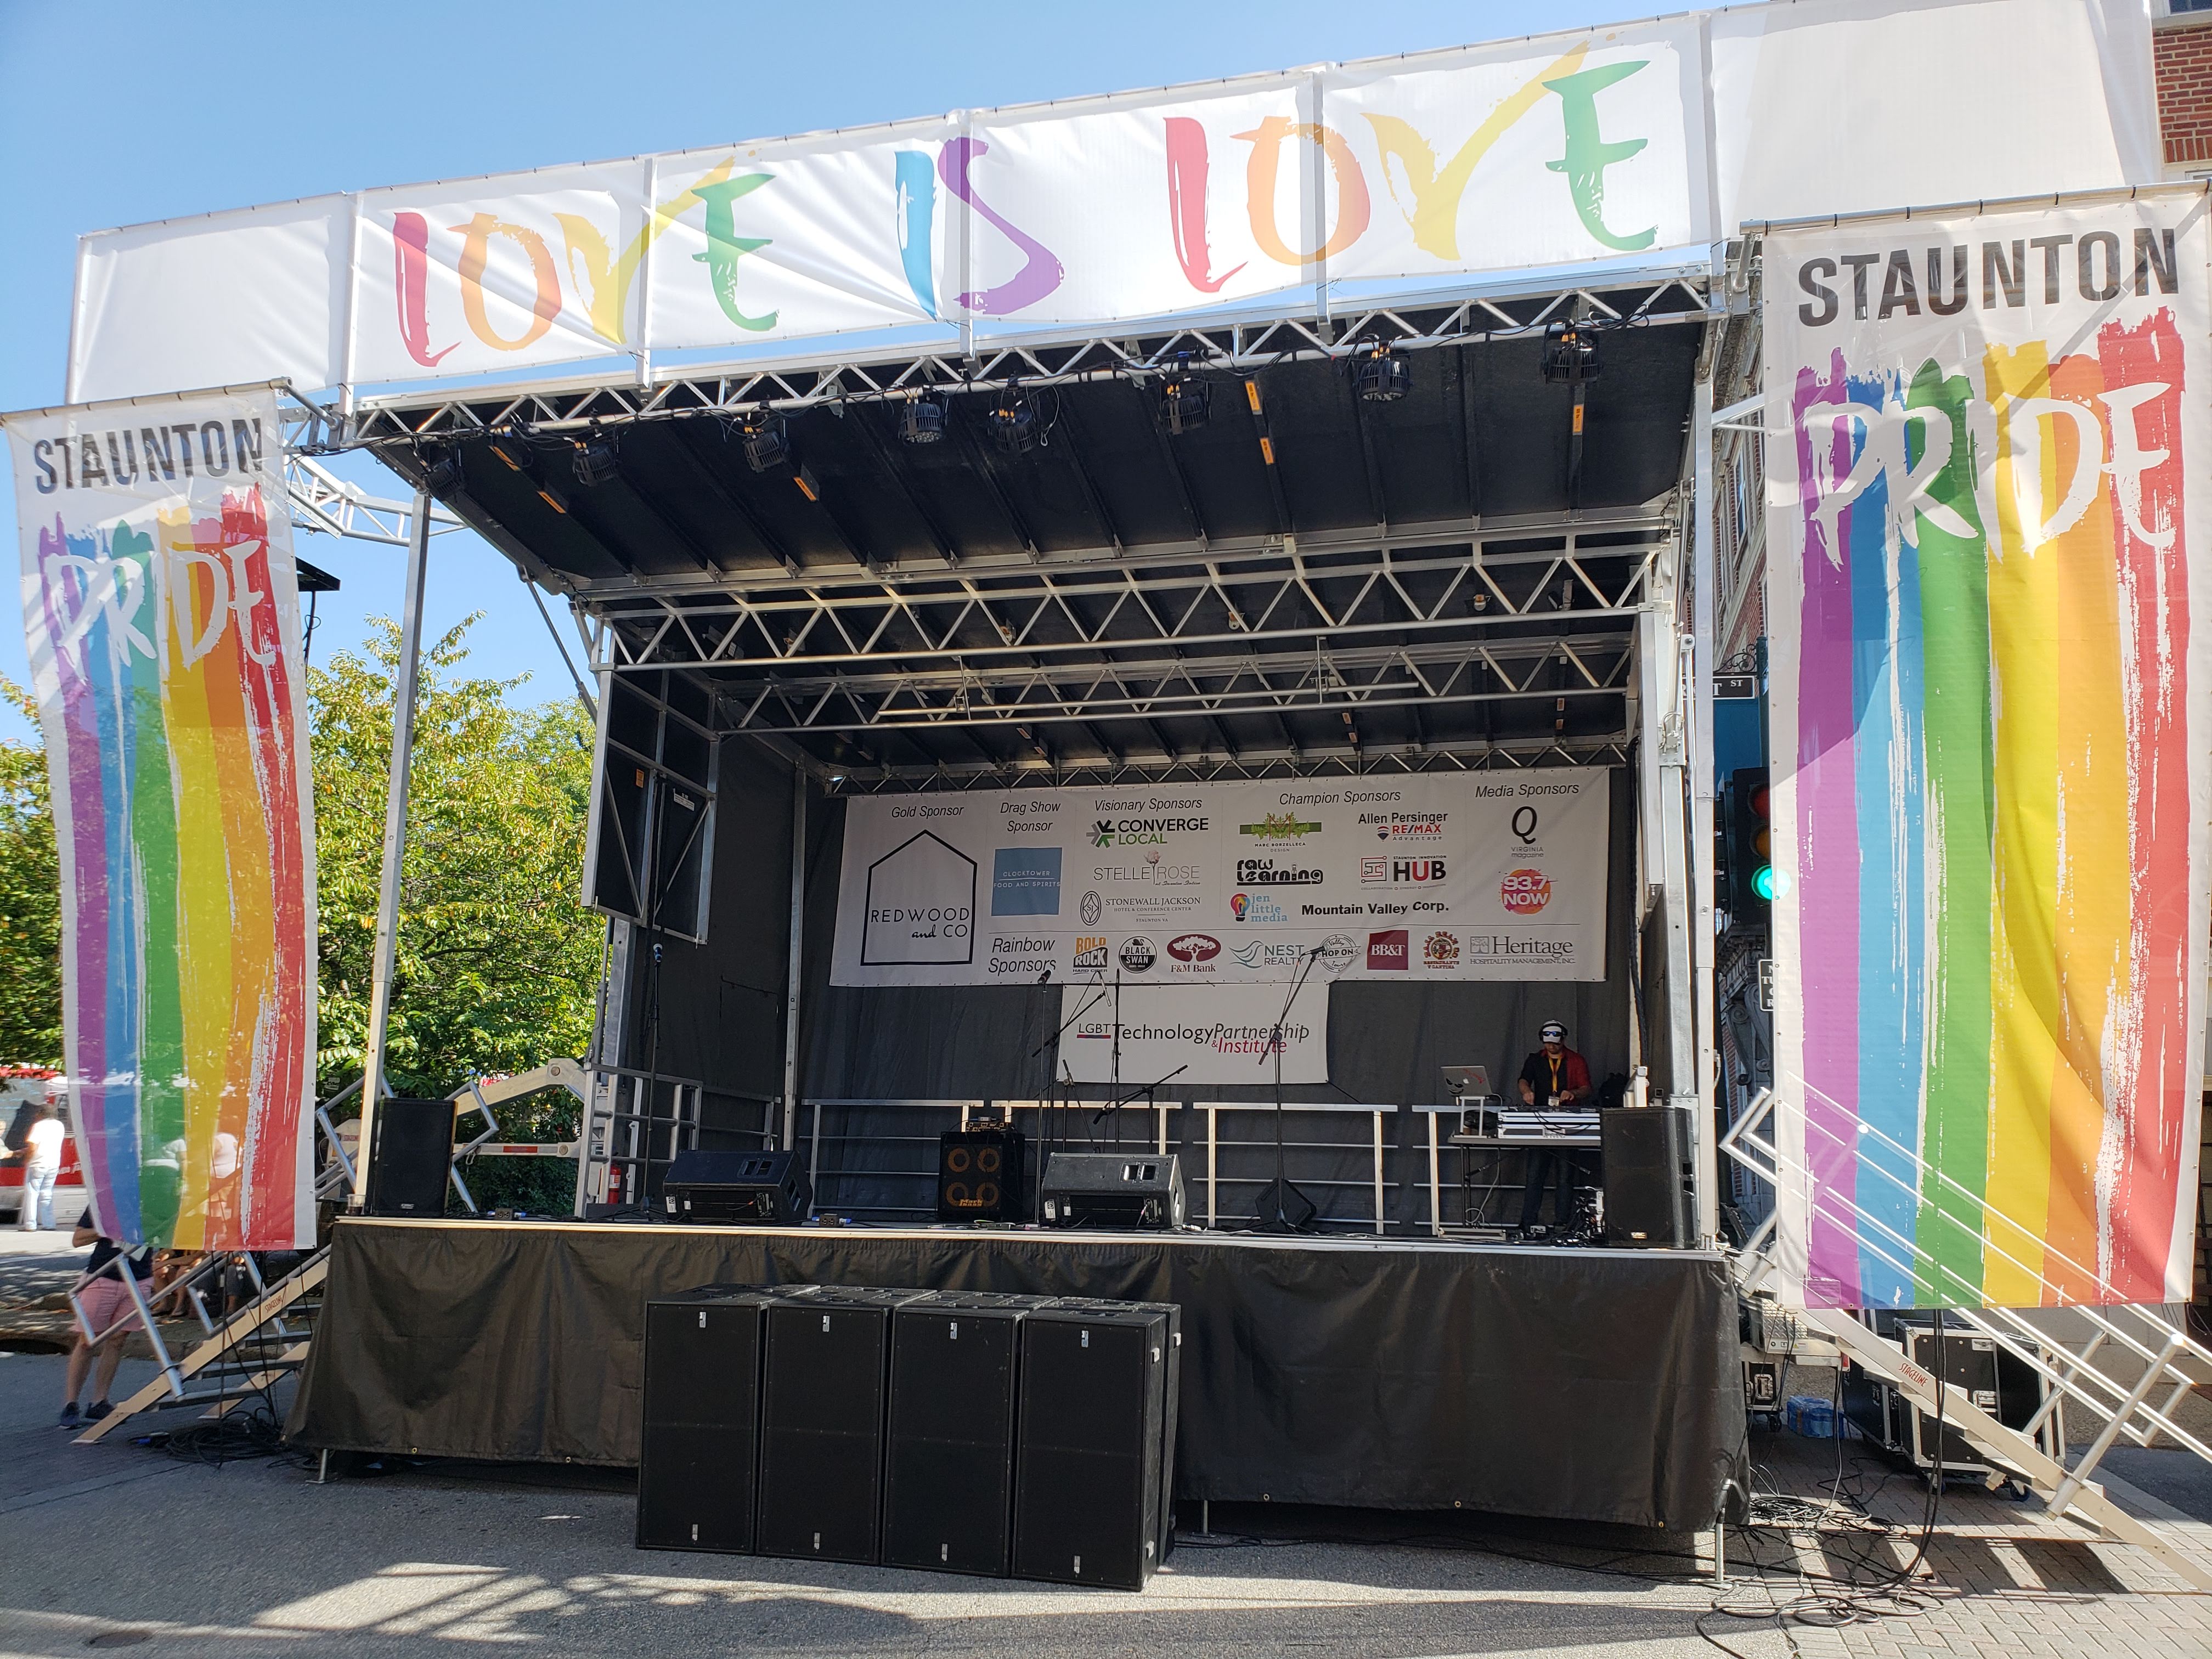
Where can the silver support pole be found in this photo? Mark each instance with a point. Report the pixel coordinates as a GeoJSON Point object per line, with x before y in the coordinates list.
{"type": "Point", "coordinates": [395, 838]}
{"type": "Point", "coordinates": [1704, 574]}
{"type": "Point", "coordinates": [798, 939]}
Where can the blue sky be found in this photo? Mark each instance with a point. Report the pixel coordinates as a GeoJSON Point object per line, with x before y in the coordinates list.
{"type": "Point", "coordinates": [158, 110]}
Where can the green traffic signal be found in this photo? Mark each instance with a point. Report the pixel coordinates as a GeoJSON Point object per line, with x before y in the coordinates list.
{"type": "Point", "coordinates": [1762, 882]}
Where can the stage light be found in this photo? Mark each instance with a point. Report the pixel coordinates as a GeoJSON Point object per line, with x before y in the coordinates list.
{"type": "Point", "coordinates": [808, 486]}
{"type": "Point", "coordinates": [441, 472]}
{"type": "Point", "coordinates": [595, 462]}
{"type": "Point", "coordinates": [922, 420]}
{"type": "Point", "coordinates": [1570, 354]}
{"type": "Point", "coordinates": [1186, 401]}
{"type": "Point", "coordinates": [766, 447]}
{"type": "Point", "coordinates": [1382, 376]}
{"type": "Point", "coordinates": [1013, 421]}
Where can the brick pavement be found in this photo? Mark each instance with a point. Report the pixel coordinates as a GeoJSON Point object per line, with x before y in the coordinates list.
{"type": "Point", "coordinates": [2000, 1576]}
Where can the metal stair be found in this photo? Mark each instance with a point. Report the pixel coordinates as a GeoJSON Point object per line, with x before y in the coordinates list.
{"type": "Point", "coordinates": [2129, 1372]}
{"type": "Point", "coordinates": [263, 1342]}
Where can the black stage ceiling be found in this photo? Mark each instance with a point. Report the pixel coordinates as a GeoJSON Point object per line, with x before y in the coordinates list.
{"type": "Point", "coordinates": [1307, 578]}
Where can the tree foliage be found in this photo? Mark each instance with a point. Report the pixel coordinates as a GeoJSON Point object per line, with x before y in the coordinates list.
{"type": "Point", "coordinates": [30, 901]}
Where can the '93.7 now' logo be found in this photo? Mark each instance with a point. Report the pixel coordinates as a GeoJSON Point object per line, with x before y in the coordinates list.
{"type": "Point", "coordinates": [1525, 892]}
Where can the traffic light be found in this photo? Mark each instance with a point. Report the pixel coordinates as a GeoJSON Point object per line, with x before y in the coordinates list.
{"type": "Point", "coordinates": [1750, 862]}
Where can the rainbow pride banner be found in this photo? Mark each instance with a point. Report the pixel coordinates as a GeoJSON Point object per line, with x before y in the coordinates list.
{"type": "Point", "coordinates": [159, 598]}
{"type": "Point", "coordinates": [1988, 615]}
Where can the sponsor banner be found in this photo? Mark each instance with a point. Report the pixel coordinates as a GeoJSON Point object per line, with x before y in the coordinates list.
{"type": "Point", "coordinates": [163, 616]}
{"type": "Point", "coordinates": [1226, 1034]}
{"type": "Point", "coordinates": [1492, 875]}
{"type": "Point", "coordinates": [1988, 593]}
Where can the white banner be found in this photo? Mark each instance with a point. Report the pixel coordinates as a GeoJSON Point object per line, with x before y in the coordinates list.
{"type": "Point", "coordinates": [1221, 1034]}
{"type": "Point", "coordinates": [1460, 876]}
{"type": "Point", "coordinates": [1991, 696]}
{"type": "Point", "coordinates": [1259, 193]}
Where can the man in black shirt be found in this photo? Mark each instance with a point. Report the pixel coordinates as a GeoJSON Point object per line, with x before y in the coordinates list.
{"type": "Point", "coordinates": [108, 1309]}
{"type": "Point", "coordinates": [1554, 1076]}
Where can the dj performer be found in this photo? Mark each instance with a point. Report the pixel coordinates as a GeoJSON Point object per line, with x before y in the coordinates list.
{"type": "Point", "coordinates": [1553, 1076]}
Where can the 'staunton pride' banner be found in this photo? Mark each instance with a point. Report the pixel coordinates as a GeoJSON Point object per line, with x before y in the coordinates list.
{"type": "Point", "coordinates": [160, 598]}
{"type": "Point", "coordinates": [1634, 146]}
{"type": "Point", "coordinates": [1395, 878]}
{"type": "Point", "coordinates": [1988, 613]}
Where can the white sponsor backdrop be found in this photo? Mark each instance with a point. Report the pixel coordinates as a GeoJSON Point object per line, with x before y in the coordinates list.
{"type": "Point", "coordinates": [1224, 1036]}
{"type": "Point", "coordinates": [1636, 145]}
{"type": "Point", "coordinates": [1469, 876]}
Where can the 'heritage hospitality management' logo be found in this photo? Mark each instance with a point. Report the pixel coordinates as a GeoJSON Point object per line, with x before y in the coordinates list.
{"type": "Point", "coordinates": [1387, 952]}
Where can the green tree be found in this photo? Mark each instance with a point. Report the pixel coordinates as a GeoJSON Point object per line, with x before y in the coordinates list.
{"type": "Point", "coordinates": [30, 901]}
{"type": "Point", "coordinates": [498, 962]}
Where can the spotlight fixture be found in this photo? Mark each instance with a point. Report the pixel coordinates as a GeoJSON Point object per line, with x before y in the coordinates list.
{"type": "Point", "coordinates": [1013, 421]}
{"type": "Point", "coordinates": [1186, 401]}
{"type": "Point", "coordinates": [1382, 376]}
{"type": "Point", "coordinates": [1570, 354]}
{"type": "Point", "coordinates": [441, 471]}
{"type": "Point", "coordinates": [922, 420]}
{"type": "Point", "coordinates": [766, 447]}
{"type": "Point", "coordinates": [594, 461]}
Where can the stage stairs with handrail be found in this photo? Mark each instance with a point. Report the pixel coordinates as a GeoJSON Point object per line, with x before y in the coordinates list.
{"type": "Point", "coordinates": [2127, 1367]}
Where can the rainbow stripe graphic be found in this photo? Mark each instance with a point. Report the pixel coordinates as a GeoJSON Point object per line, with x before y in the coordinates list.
{"type": "Point", "coordinates": [166, 645]}
{"type": "Point", "coordinates": [1994, 843]}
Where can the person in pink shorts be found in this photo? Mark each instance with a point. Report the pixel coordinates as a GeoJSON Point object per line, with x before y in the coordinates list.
{"type": "Point", "coordinates": [109, 1309]}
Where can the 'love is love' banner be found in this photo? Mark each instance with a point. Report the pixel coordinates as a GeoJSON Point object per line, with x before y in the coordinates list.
{"type": "Point", "coordinates": [1988, 602]}
{"type": "Point", "coordinates": [162, 609]}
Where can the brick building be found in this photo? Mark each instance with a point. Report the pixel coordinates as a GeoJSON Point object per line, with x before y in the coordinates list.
{"type": "Point", "coordinates": [2181, 48]}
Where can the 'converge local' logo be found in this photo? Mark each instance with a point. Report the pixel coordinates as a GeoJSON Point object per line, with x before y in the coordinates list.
{"type": "Point", "coordinates": [1142, 832]}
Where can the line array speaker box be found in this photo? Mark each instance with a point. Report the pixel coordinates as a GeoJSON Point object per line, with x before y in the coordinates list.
{"type": "Point", "coordinates": [1647, 1174]}
{"type": "Point", "coordinates": [737, 1188]}
{"type": "Point", "coordinates": [979, 1175]}
{"type": "Point", "coordinates": [1121, 1190]}
{"type": "Point", "coordinates": [1091, 1491]}
{"type": "Point", "coordinates": [822, 1424]}
{"type": "Point", "coordinates": [411, 1157]}
{"type": "Point", "coordinates": [949, 1462]}
{"type": "Point", "coordinates": [702, 1367]}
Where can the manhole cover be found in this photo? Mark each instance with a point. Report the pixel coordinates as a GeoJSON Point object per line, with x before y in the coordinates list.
{"type": "Point", "coordinates": [118, 1638]}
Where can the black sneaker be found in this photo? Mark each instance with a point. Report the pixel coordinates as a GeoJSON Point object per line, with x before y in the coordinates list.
{"type": "Point", "coordinates": [97, 1409]}
{"type": "Point", "coordinates": [69, 1419]}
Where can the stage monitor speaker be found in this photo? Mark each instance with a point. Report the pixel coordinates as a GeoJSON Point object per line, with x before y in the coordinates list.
{"type": "Point", "coordinates": [737, 1189]}
{"type": "Point", "coordinates": [1647, 1174]}
{"type": "Point", "coordinates": [949, 1460]}
{"type": "Point", "coordinates": [979, 1175]}
{"type": "Point", "coordinates": [699, 1448]}
{"type": "Point", "coordinates": [822, 1424]}
{"type": "Point", "coordinates": [1121, 1190]}
{"type": "Point", "coordinates": [1089, 1484]}
{"type": "Point", "coordinates": [411, 1158]}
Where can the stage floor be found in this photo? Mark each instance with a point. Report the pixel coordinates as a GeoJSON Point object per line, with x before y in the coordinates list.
{"type": "Point", "coordinates": [1388, 1373]}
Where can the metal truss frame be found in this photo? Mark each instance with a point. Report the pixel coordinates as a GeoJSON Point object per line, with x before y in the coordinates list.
{"type": "Point", "coordinates": [322, 501]}
{"type": "Point", "coordinates": [405, 420]}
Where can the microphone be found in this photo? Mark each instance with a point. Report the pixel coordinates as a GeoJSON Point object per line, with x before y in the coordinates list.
{"type": "Point", "coordinates": [1045, 978]}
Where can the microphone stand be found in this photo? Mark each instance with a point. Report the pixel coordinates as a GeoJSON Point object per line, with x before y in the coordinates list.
{"type": "Point", "coordinates": [1280, 1223]}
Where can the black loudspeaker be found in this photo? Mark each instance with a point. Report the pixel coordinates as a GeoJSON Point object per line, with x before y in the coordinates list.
{"type": "Point", "coordinates": [979, 1175]}
{"type": "Point", "coordinates": [1090, 1480]}
{"type": "Point", "coordinates": [822, 1424]}
{"type": "Point", "coordinates": [1648, 1176]}
{"type": "Point", "coordinates": [737, 1188]}
{"type": "Point", "coordinates": [1122, 1190]}
{"type": "Point", "coordinates": [700, 1451]}
{"type": "Point", "coordinates": [949, 1465]}
{"type": "Point", "coordinates": [411, 1157]}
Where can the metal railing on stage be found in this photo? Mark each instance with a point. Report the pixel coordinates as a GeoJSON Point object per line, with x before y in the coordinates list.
{"type": "Point", "coordinates": [908, 1159]}
{"type": "Point", "coordinates": [636, 1122]}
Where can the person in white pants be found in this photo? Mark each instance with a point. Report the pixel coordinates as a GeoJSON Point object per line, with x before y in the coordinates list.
{"type": "Point", "coordinates": [42, 1166]}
